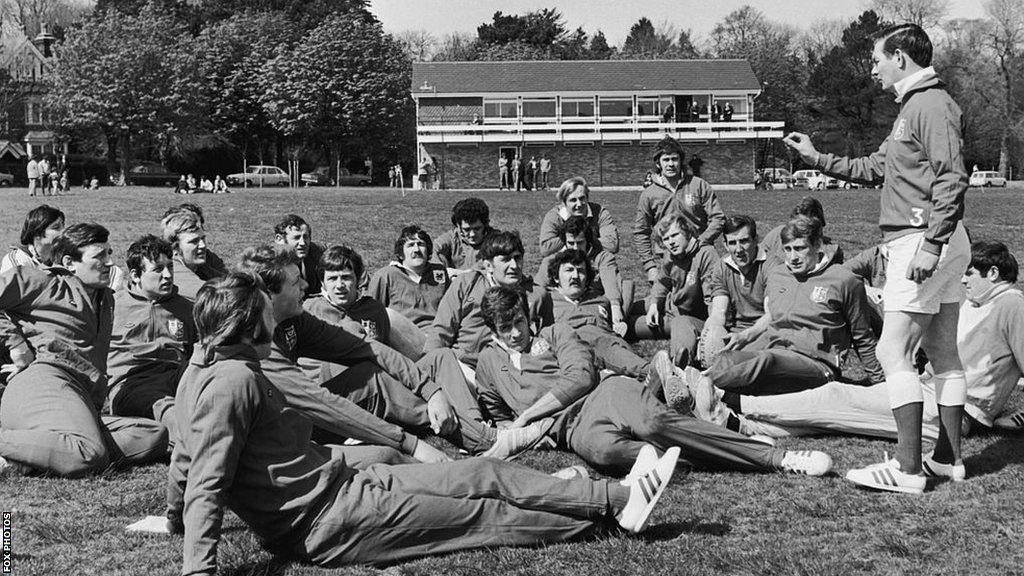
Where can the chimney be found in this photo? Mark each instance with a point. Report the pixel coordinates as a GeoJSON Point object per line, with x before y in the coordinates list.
{"type": "Point", "coordinates": [44, 41]}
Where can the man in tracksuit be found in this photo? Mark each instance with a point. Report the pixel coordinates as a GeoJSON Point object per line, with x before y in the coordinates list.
{"type": "Point", "coordinates": [243, 448]}
{"type": "Point", "coordinates": [673, 190]}
{"type": "Point", "coordinates": [152, 338]}
{"type": "Point", "coordinates": [814, 313]}
{"type": "Point", "coordinates": [57, 323]}
{"type": "Point", "coordinates": [458, 249]}
{"type": "Point", "coordinates": [379, 383]}
{"type": "Point", "coordinates": [524, 377]}
{"type": "Point", "coordinates": [293, 231]}
{"type": "Point", "coordinates": [192, 265]}
{"type": "Point", "coordinates": [458, 324]}
{"type": "Point", "coordinates": [922, 207]}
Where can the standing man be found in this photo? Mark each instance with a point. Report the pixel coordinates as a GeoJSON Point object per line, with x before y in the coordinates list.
{"type": "Point", "coordinates": [32, 171]}
{"type": "Point", "coordinates": [503, 180]}
{"type": "Point", "coordinates": [517, 173]}
{"type": "Point", "coordinates": [44, 175]}
{"type": "Point", "coordinates": [545, 169]}
{"type": "Point", "coordinates": [922, 207]}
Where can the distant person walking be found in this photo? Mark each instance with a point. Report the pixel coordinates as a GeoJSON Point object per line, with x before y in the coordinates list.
{"type": "Point", "coordinates": [399, 178]}
{"type": "Point", "coordinates": [32, 171]}
{"type": "Point", "coordinates": [44, 176]}
{"type": "Point", "coordinates": [545, 169]}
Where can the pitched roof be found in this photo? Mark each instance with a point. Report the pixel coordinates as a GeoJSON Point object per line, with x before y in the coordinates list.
{"type": "Point", "coordinates": [582, 76]}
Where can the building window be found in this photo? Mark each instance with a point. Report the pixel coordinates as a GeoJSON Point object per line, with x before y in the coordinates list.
{"type": "Point", "coordinates": [539, 108]}
{"type": "Point", "coordinates": [648, 106]}
{"type": "Point", "coordinates": [578, 108]}
{"type": "Point", "coordinates": [616, 107]}
{"type": "Point", "coordinates": [504, 109]}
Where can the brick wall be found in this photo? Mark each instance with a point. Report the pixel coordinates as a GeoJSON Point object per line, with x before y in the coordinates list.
{"type": "Point", "coordinates": [601, 165]}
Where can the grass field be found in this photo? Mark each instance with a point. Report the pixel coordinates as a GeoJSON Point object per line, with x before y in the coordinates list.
{"type": "Point", "coordinates": [709, 523]}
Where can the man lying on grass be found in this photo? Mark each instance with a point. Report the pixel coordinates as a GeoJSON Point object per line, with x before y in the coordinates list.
{"type": "Point", "coordinates": [244, 448]}
{"type": "Point", "coordinates": [524, 377]}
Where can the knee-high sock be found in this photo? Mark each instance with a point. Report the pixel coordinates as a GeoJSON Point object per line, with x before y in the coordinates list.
{"type": "Point", "coordinates": [950, 395]}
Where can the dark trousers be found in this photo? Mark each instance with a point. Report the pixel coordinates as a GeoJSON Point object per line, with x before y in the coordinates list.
{"type": "Point", "coordinates": [771, 371]}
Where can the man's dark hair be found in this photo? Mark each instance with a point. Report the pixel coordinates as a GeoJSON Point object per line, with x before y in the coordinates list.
{"type": "Point", "coordinates": [500, 306]}
{"type": "Point", "coordinates": [809, 206]}
{"type": "Point", "coordinates": [38, 220]}
{"type": "Point", "coordinates": [988, 253]}
{"type": "Point", "coordinates": [576, 225]}
{"type": "Point", "coordinates": [230, 309]}
{"type": "Point", "coordinates": [338, 258]}
{"type": "Point", "coordinates": [576, 258]}
{"type": "Point", "coordinates": [290, 221]}
{"type": "Point", "coordinates": [268, 262]}
{"type": "Point", "coordinates": [667, 145]}
{"type": "Point", "coordinates": [471, 210]}
{"type": "Point", "coordinates": [802, 227]}
{"type": "Point", "coordinates": [150, 248]}
{"type": "Point", "coordinates": [737, 222]}
{"type": "Point", "coordinates": [186, 207]}
{"type": "Point", "coordinates": [76, 237]}
{"type": "Point", "coordinates": [413, 232]}
{"type": "Point", "coordinates": [910, 39]}
{"type": "Point", "coordinates": [501, 243]}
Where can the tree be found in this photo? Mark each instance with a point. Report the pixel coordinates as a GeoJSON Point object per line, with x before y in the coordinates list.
{"type": "Point", "coordinates": [599, 48]}
{"type": "Point", "coordinates": [344, 88]}
{"type": "Point", "coordinates": [456, 47]}
{"type": "Point", "coordinates": [130, 77]}
{"type": "Point", "coordinates": [543, 29]}
{"type": "Point", "coordinates": [685, 46]}
{"type": "Point", "coordinates": [925, 13]}
{"type": "Point", "coordinates": [418, 44]}
{"type": "Point", "coordinates": [644, 40]}
{"type": "Point", "coordinates": [30, 15]}
{"type": "Point", "coordinates": [1006, 41]}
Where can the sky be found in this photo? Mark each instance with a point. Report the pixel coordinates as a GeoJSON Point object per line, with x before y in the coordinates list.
{"type": "Point", "coordinates": [614, 17]}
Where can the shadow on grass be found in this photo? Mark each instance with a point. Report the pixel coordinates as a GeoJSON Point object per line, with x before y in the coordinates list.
{"type": "Point", "coordinates": [267, 567]}
{"type": "Point", "coordinates": [671, 530]}
{"type": "Point", "coordinates": [996, 456]}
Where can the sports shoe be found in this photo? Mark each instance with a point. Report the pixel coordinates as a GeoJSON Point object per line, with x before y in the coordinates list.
{"type": "Point", "coordinates": [512, 442]}
{"type": "Point", "coordinates": [574, 472]}
{"type": "Point", "coordinates": [677, 393]}
{"type": "Point", "coordinates": [645, 491]}
{"type": "Point", "coordinates": [706, 404]}
{"type": "Point", "coordinates": [933, 469]}
{"type": "Point", "coordinates": [659, 370]}
{"type": "Point", "coordinates": [809, 462]}
{"type": "Point", "coordinates": [645, 461]}
{"type": "Point", "coordinates": [887, 476]}
{"type": "Point", "coordinates": [1013, 421]}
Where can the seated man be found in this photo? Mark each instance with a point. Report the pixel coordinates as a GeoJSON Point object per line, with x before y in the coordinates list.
{"type": "Point", "coordinates": [242, 448]}
{"type": "Point", "coordinates": [378, 384]}
{"type": "Point", "coordinates": [574, 200]}
{"type": "Point", "coordinates": [411, 287]}
{"type": "Point", "coordinates": [523, 378]}
{"type": "Point", "coordinates": [990, 338]}
{"type": "Point", "coordinates": [192, 265]}
{"type": "Point", "coordinates": [814, 313]}
{"type": "Point", "coordinates": [56, 322]}
{"type": "Point", "coordinates": [737, 286]}
{"type": "Point", "coordinates": [152, 337]}
{"type": "Point", "coordinates": [577, 234]}
{"type": "Point", "coordinates": [677, 306]}
{"type": "Point", "coordinates": [293, 231]}
{"type": "Point", "coordinates": [672, 189]}
{"type": "Point", "coordinates": [42, 225]}
{"type": "Point", "coordinates": [808, 206]}
{"type": "Point", "coordinates": [458, 248]}
{"type": "Point", "coordinates": [341, 302]}
{"type": "Point", "coordinates": [458, 324]}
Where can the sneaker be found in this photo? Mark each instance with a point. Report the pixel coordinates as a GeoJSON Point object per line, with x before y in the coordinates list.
{"type": "Point", "coordinates": [706, 404]}
{"type": "Point", "coordinates": [1013, 421]}
{"type": "Point", "coordinates": [809, 462]}
{"type": "Point", "coordinates": [887, 476]}
{"type": "Point", "coordinates": [645, 461]}
{"type": "Point", "coordinates": [677, 392]}
{"type": "Point", "coordinates": [932, 469]}
{"type": "Point", "coordinates": [645, 491]}
{"type": "Point", "coordinates": [575, 472]}
{"type": "Point", "coordinates": [659, 370]}
{"type": "Point", "coordinates": [512, 442]}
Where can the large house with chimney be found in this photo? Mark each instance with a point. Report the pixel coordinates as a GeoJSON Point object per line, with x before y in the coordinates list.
{"type": "Point", "coordinates": [595, 119]}
{"type": "Point", "coordinates": [25, 124]}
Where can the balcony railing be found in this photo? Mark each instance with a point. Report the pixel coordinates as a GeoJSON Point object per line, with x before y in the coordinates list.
{"type": "Point", "coordinates": [575, 130]}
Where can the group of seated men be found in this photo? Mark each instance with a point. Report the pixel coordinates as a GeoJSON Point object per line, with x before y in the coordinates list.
{"type": "Point", "coordinates": [296, 388]}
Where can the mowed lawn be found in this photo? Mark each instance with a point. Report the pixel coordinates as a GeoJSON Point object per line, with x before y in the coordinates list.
{"type": "Point", "coordinates": [709, 523]}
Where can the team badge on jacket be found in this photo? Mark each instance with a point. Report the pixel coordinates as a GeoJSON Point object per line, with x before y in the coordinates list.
{"type": "Point", "coordinates": [819, 294]}
{"type": "Point", "coordinates": [539, 346]}
{"type": "Point", "coordinates": [439, 276]}
{"type": "Point", "coordinates": [901, 129]}
{"type": "Point", "coordinates": [176, 328]}
{"type": "Point", "coordinates": [371, 328]}
{"type": "Point", "coordinates": [291, 338]}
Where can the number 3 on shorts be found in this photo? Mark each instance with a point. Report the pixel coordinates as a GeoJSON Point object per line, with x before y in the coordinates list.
{"type": "Point", "coordinates": [915, 219]}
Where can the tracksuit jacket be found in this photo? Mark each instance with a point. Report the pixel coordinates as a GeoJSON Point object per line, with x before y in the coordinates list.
{"type": "Point", "coordinates": [190, 281]}
{"type": "Point", "coordinates": [921, 163]}
{"type": "Point", "coordinates": [693, 198]}
{"type": "Point", "coordinates": [821, 315]}
{"type": "Point", "coordinates": [66, 326]}
{"type": "Point", "coordinates": [417, 300]}
{"type": "Point", "coordinates": [684, 284]}
{"type": "Point", "coordinates": [744, 289]}
{"type": "Point", "coordinates": [600, 220]}
{"type": "Point", "coordinates": [450, 250]}
{"type": "Point", "coordinates": [607, 279]}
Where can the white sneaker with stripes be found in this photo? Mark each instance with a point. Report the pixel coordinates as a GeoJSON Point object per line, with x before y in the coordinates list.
{"type": "Point", "coordinates": [809, 462]}
{"type": "Point", "coordinates": [887, 476]}
{"type": "Point", "coordinates": [645, 490]}
{"type": "Point", "coordinates": [932, 469]}
{"type": "Point", "coordinates": [1014, 421]}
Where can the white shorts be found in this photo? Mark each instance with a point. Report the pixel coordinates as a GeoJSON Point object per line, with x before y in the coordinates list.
{"type": "Point", "coordinates": [943, 287]}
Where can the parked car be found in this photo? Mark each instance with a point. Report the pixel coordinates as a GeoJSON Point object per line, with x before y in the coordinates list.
{"type": "Point", "coordinates": [810, 179]}
{"type": "Point", "coordinates": [986, 179]}
{"type": "Point", "coordinates": [779, 177]}
{"type": "Point", "coordinates": [322, 177]}
{"type": "Point", "coordinates": [258, 175]}
{"type": "Point", "coordinates": [151, 174]}
{"type": "Point", "coordinates": [6, 179]}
